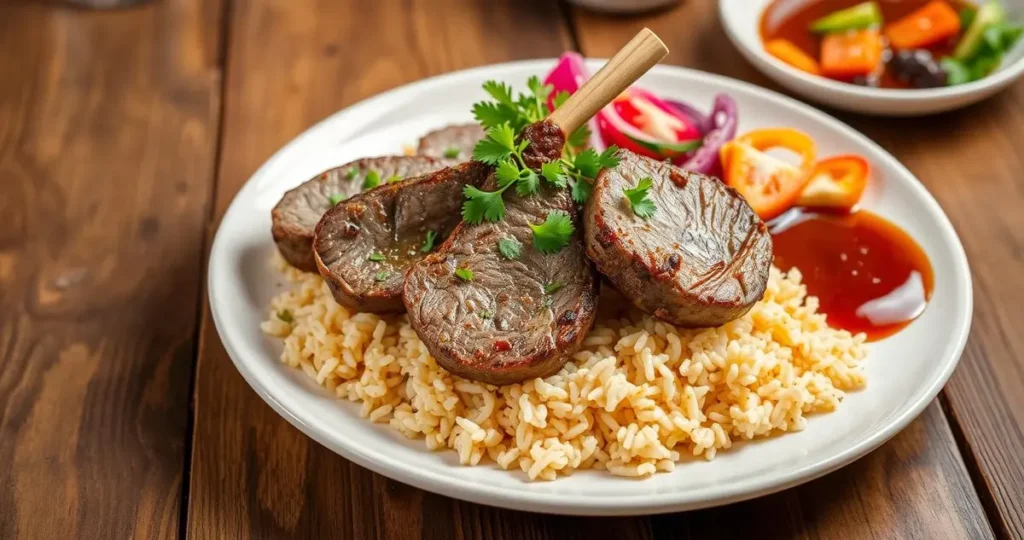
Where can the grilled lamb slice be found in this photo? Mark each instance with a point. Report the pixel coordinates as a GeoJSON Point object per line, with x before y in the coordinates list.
{"type": "Point", "coordinates": [299, 210]}
{"type": "Point", "coordinates": [701, 260]}
{"type": "Point", "coordinates": [453, 142]}
{"type": "Point", "coordinates": [515, 318]}
{"type": "Point", "coordinates": [363, 246]}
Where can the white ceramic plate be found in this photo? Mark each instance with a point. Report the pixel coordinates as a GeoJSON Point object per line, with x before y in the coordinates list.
{"type": "Point", "coordinates": [905, 372]}
{"type": "Point", "coordinates": [742, 18]}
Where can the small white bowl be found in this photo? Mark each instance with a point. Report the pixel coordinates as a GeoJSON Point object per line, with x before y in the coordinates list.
{"type": "Point", "coordinates": [742, 18]}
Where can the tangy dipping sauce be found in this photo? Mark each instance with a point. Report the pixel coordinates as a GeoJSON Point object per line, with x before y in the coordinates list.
{"type": "Point", "coordinates": [868, 274]}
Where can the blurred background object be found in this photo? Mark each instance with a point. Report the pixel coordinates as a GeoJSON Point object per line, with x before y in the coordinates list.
{"type": "Point", "coordinates": [102, 4]}
{"type": "Point", "coordinates": [624, 6]}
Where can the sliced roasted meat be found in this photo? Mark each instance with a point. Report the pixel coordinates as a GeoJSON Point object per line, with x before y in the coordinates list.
{"type": "Point", "coordinates": [496, 319]}
{"type": "Point", "coordinates": [453, 142]}
{"type": "Point", "coordinates": [299, 210]}
{"type": "Point", "coordinates": [700, 260]}
{"type": "Point", "coordinates": [363, 246]}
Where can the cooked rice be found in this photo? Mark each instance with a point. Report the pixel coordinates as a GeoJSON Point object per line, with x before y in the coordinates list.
{"type": "Point", "coordinates": [637, 398]}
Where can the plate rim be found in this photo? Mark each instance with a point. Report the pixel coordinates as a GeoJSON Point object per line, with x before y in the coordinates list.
{"type": "Point", "coordinates": [583, 504]}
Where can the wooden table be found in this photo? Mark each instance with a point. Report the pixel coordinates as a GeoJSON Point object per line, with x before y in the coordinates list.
{"type": "Point", "coordinates": [125, 134]}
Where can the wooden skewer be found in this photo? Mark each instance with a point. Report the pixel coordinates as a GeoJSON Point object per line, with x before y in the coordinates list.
{"type": "Point", "coordinates": [621, 71]}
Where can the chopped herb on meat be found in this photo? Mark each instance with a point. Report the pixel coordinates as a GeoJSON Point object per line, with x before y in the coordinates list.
{"type": "Point", "coordinates": [372, 179]}
{"type": "Point", "coordinates": [465, 274]}
{"type": "Point", "coordinates": [428, 243]}
{"type": "Point", "coordinates": [510, 248]}
{"type": "Point", "coordinates": [335, 199]}
{"type": "Point", "coordinates": [376, 257]}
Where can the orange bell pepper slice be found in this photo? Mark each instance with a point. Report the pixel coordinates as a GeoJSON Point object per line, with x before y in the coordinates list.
{"type": "Point", "coordinates": [785, 50]}
{"type": "Point", "coordinates": [929, 24]}
{"type": "Point", "coordinates": [848, 54]}
{"type": "Point", "coordinates": [770, 185]}
{"type": "Point", "coordinates": [836, 182]}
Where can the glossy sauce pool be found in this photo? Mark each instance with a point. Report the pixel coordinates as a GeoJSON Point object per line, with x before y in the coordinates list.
{"type": "Point", "coordinates": [868, 274]}
{"type": "Point", "coordinates": [790, 19]}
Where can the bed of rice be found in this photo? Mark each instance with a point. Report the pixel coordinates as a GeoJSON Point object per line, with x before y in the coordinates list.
{"type": "Point", "coordinates": [640, 396]}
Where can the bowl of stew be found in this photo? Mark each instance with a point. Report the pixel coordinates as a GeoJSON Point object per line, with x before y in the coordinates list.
{"type": "Point", "coordinates": [886, 57]}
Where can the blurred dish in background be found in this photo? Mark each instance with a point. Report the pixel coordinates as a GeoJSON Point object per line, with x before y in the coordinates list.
{"type": "Point", "coordinates": [624, 6]}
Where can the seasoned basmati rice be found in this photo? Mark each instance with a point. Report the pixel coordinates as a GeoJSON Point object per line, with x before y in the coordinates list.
{"type": "Point", "coordinates": [638, 396]}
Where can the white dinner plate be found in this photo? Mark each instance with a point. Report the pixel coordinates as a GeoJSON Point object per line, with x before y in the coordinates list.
{"type": "Point", "coordinates": [742, 18]}
{"type": "Point", "coordinates": [905, 372]}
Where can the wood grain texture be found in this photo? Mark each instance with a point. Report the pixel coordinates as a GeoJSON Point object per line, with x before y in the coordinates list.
{"type": "Point", "coordinates": [968, 160]}
{"type": "Point", "coordinates": [107, 136]}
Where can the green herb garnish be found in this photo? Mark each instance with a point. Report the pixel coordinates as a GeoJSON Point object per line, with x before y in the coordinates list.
{"type": "Point", "coordinates": [451, 152]}
{"type": "Point", "coordinates": [582, 168]}
{"type": "Point", "coordinates": [351, 173]}
{"type": "Point", "coordinates": [394, 178]}
{"type": "Point", "coordinates": [465, 274]}
{"type": "Point", "coordinates": [553, 287]}
{"type": "Point", "coordinates": [428, 243]}
{"type": "Point", "coordinates": [285, 316]}
{"type": "Point", "coordinates": [372, 179]}
{"type": "Point", "coordinates": [485, 314]}
{"type": "Point", "coordinates": [510, 248]}
{"type": "Point", "coordinates": [554, 233]}
{"type": "Point", "coordinates": [376, 257]}
{"type": "Point", "coordinates": [517, 112]}
{"type": "Point", "coordinates": [638, 200]}
{"type": "Point", "coordinates": [335, 199]}
{"type": "Point", "coordinates": [381, 276]}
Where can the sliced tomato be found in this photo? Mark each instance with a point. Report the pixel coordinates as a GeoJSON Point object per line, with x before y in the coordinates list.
{"type": "Point", "coordinates": [770, 185]}
{"type": "Point", "coordinates": [836, 182]}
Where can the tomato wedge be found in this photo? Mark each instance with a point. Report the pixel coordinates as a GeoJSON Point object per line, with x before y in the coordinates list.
{"type": "Point", "coordinates": [837, 182]}
{"type": "Point", "coordinates": [771, 186]}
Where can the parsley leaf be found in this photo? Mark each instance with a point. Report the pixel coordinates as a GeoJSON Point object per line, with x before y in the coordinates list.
{"type": "Point", "coordinates": [376, 257]}
{"type": "Point", "coordinates": [465, 274]}
{"type": "Point", "coordinates": [486, 314]}
{"type": "Point", "coordinates": [553, 287]}
{"type": "Point", "coordinates": [335, 199]}
{"type": "Point", "coordinates": [554, 233]}
{"type": "Point", "coordinates": [372, 179]}
{"type": "Point", "coordinates": [589, 162]}
{"type": "Point", "coordinates": [637, 197]}
{"type": "Point", "coordinates": [500, 92]}
{"type": "Point", "coordinates": [507, 173]}
{"type": "Point", "coordinates": [285, 316]}
{"type": "Point", "coordinates": [381, 276]}
{"type": "Point", "coordinates": [554, 173]}
{"type": "Point", "coordinates": [510, 248]}
{"type": "Point", "coordinates": [581, 190]}
{"type": "Point", "coordinates": [528, 184]}
{"type": "Point", "coordinates": [351, 172]}
{"type": "Point", "coordinates": [451, 152]}
{"type": "Point", "coordinates": [428, 243]}
{"type": "Point", "coordinates": [480, 205]}
{"type": "Point", "coordinates": [394, 178]}
{"type": "Point", "coordinates": [498, 145]}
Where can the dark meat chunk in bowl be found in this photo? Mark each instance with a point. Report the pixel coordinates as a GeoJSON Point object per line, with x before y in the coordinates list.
{"type": "Point", "coordinates": [702, 259]}
{"type": "Point", "coordinates": [364, 245]}
{"type": "Point", "coordinates": [452, 142]}
{"type": "Point", "coordinates": [299, 210]}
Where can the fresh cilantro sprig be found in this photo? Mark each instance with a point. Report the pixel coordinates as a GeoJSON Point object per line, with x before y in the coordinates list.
{"type": "Point", "coordinates": [510, 248]}
{"type": "Point", "coordinates": [517, 112]}
{"type": "Point", "coordinates": [579, 170]}
{"type": "Point", "coordinates": [554, 233]}
{"type": "Point", "coordinates": [500, 149]}
{"type": "Point", "coordinates": [638, 198]}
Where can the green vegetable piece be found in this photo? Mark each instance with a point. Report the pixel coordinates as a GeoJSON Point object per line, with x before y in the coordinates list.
{"type": "Point", "coordinates": [967, 15]}
{"type": "Point", "coordinates": [970, 44]}
{"type": "Point", "coordinates": [451, 152]}
{"type": "Point", "coordinates": [486, 314]}
{"type": "Point", "coordinates": [956, 71]}
{"type": "Point", "coordinates": [381, 276]}
{"type": "Point", "coordinates": [351, 173]}
{"type": "Point", "coordinates": [394, 178]}
{"type": "Point", "coordinates": [465, 274]}
{"type": "Point", "coordinates": [335, 199]}
{"type": "Point", "coordinates": [285, 316]}
{"type": "Point", "coordinates": [861, 16]}
{"type": "Point", "coordinates": [510, 248]}
{"type": "Point", "coordinates": [428, 243]}
{"type": "Point", "coordinates": [638, 200]}
{"type": "Point", "coordinates": [376, 257]}
{"type": "Point", "coordinates": [553, 287]}
{"type": "Point", "coordinates": [372, 179]}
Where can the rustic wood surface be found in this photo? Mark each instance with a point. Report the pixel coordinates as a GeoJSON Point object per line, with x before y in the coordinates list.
{"type": "Point", "coordinates": [108, 130]}
{"type": "Point", "coordinates": [120, 147]}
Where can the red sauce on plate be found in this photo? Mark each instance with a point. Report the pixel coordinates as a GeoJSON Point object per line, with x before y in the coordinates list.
{"type": "Point", "coordinates": [790, 19]}
{"type": "Point", "coordinates": [868, 274]}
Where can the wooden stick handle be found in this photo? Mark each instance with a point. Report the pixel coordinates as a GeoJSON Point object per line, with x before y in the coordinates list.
{"type": "Point", "coordinates": [622, 70]}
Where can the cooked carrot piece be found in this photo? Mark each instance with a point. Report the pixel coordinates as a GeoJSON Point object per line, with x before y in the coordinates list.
{"type": "Point", "coordinates": [931, 23]}
{"type": "Point", "coordinates": [784, 50]}
{"type": "Point", "coordinates": [849, 54]}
